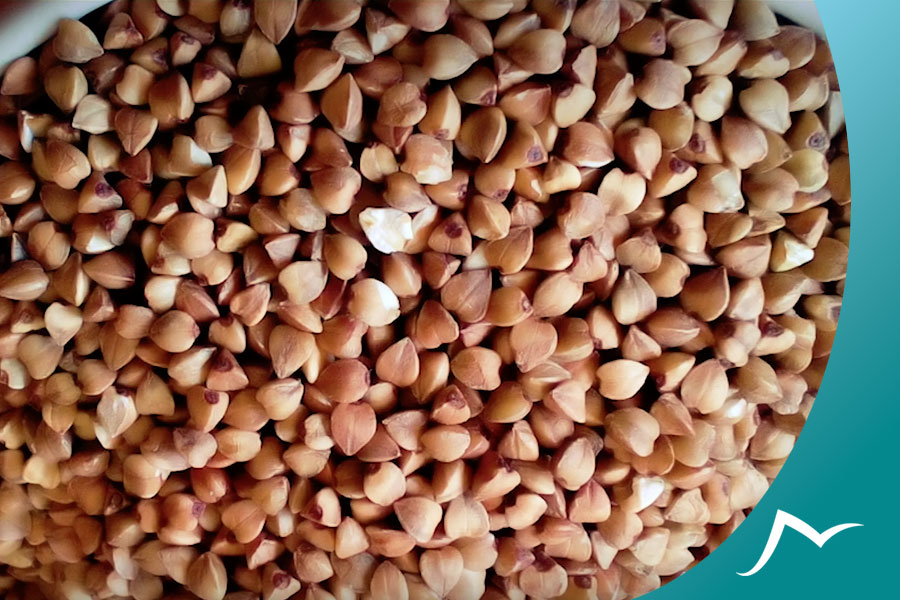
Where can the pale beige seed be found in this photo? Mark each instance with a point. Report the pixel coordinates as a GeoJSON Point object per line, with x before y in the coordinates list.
{"type": "Point", "coordinates": [766, 102]}
{"type": "Point", "coordinates": [596, 22]}
{"type": "Point", "coordinates": [441, 569]}
{"type": "Point", "coordinates": [446, 56]}
{"type": "Point", "coordinates": [706, 386]}
{"type": "Point", "coordinates": [621, 379]}
{"type": "Point", "coordinates": [634, 428]}
{"type": "Point", "coordinates": [303, 281]}
{"type": "Point", "coordinates": [418, 516]}
{"type": "Point", "coordinates": [373, 303]}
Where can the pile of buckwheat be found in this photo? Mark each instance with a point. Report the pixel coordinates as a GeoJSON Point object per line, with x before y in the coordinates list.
{"type": "Point", "coordinates": [407, 299]}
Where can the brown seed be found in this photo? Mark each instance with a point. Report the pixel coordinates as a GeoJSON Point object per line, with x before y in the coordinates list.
{"type": "Point", "coordinates": [342, 103]}
{"type": "Point", "coordinates": [632, 299]}
{"type": "Point", "coordinates": [65, 86]}
{"type": "Point", "coordinates": [477, 367]}
{"type": "Point", "coordinates": [135, 128]}
{"type": "Point", "coordinates": [334, 188]}
{"type": "Point", "coordinates": [401, 105]}
{"type": "Point", "coordinates": [596, 22]}
{"type": "Point", "coordinates": [443, 117]}
{"type": "Point", "coordinates": [540, 51]}
{"type": "Point", "coordinates": [573, 464]}
{"type": "Point", "coordinates": [60, 162]}
{"type": "Point", "coordinates": [468, 295]}
{"type": "Point", "coordinates": [170, 101]}
{"type": "Point", "coordinates": [809, 168]}
{"type": "Point", "coordinates": [634, 428]}
{"type": "Point", "coordinates": [344, 381]}
{"type": "Point", "coordinates": [528, 102]}
{"type": "Point", "coordinates": [316, 68]}
{"type": "Point", "coordinates": [639, 147]}
{"type": "Point", "coordinates": [174, 331]}
{"type": "Point", "coordinates": [446, 56]}
{"type": "Point", "coordinates": [523, 148]}
{"type": "Point", "coordinates": [830, 261]}
{"type": "Point", "coordinates": [399, 363]}
{"type": "Point", "coordinates": [75, 42]}
{"type": "Point", "coordinates": [39, 354]}
{"type": "Point", "coordinates": [532, 342]}
{"type": "Point", "coordinates": [254, 130]}
{"type": "Point", "coordinates": [16, 183]}
{"type": "Point", "coordinates": [373, 302]}
{"type": "Point", "coordinates": [189, 234]}
{"type": "Point", "coordinates": [274, 18]}
{"type": "Point", "coordinates": [446, 443]}
{"type": "Point", "coordinates": [482, 134]}
{"type": "Point", "coordinates": [647, 37]}
{"type": "Point", "coordinates": [140, 477]}
{"type": "Point", "coordinates": [427, 159]}
{"type": "Point", "coordinates": [765, 102]}
{"type": "Point", "coordinates": [20, 77]}
{"type": "Point", "coordinates": [748, 257]}
{"type": "Point", "coordinates": [116, 411]}
{"type": "Point", "coordinates": [556, 295]}
{"type": "Point", "coordinates": [289, 349]}
{"type": "Point", "coordinates": [383, 31]}
{"type": "Point", "coordinates": [418, 516]}
{"type": "Point", "coordinates": [441, 569]}
{"type": "Point", "coordinates": [478, 86]}
{"type": "Point", "coordinates": [755, 20]}
{"type": "Point", "coordinates": [23, 280]}
{"type": "Point", "coordinates": [706, 295]}
{"type": "Point", "coordinates": [352, 426]}
{"type": "Point", "coordinates": [259, 56]}
{"type": "Point", "coordinates": [508, 306]}
{"type": "Point", "coordinates": [384, 483]}
{"type": "Point", "coordinates": [93, 114]}
{"type": "Point", "coordinates": [303, 281]}
{"type": "Point", "coordinates": [662, 84]}
{"type": "Point", "coordinates": [588, 145]}
{"type": "Point", "coordinates": [344, 256]}
{"type": "Point", "coordinates": [694, 41]}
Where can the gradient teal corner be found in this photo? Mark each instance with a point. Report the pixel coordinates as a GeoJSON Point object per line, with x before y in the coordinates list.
{"type": "Point", "coordinates": [845, 465]}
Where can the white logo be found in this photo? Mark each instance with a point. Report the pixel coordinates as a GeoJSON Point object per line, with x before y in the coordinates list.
{"type": "Point", "coordinates": [782, 520]}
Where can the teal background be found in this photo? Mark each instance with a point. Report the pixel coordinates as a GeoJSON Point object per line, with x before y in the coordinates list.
{"type": "Point", "coordinates": [845, 465]}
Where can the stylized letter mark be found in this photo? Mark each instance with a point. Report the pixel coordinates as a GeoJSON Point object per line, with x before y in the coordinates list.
{"type": "Point", "coordinates": [782, 520]}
